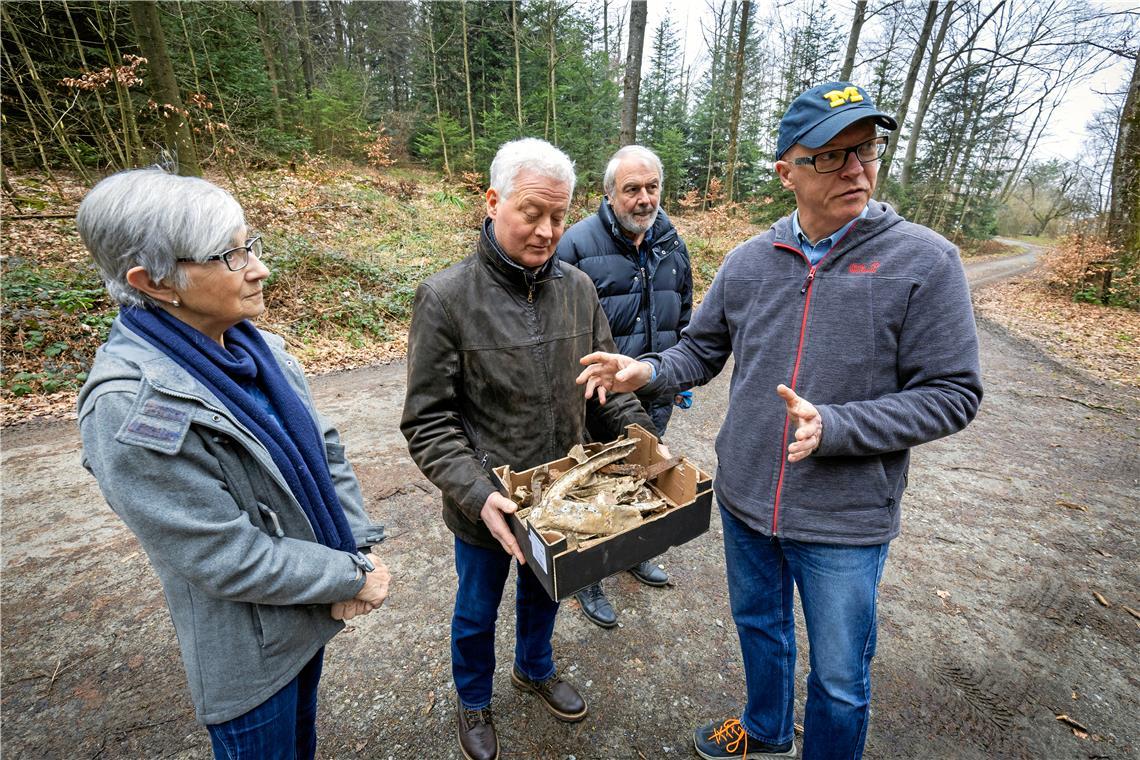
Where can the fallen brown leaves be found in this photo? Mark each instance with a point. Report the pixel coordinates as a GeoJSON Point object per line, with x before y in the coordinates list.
{"type": "Point", "coordinates": [1102, 340]}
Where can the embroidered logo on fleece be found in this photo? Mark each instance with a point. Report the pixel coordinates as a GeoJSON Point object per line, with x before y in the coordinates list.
{"type": "Point", "coordinates": [864, 268]}
{"type": "Point", "coordinates": [842, 97]}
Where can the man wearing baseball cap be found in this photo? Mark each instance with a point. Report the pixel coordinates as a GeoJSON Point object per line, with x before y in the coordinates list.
{"type": "Point", "coordinates": [853, 340]}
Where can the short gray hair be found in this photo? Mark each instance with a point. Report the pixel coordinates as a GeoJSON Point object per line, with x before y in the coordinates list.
{"type": "Point", "coordinates": [609, 179]}
{"type": "Point", "coordinates": [529, 154]}
{"type": "Point", "coordinates": [148, 218]}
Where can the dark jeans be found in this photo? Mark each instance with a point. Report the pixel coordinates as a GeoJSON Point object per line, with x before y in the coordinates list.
{"type": "Point", "coordinates": [839, 587]}
{"type": "Point", "coordinates": [282, 727]}
{"type": "Point", "coordinates": [482, 576]}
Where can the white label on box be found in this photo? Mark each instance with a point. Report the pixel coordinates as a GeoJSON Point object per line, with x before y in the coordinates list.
{"type": "Point", "coordinates": [538, 551]}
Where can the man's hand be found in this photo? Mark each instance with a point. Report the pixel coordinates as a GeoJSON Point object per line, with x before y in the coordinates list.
{"type": "Point", "coordinates": [492, 513]}
{"type": "Point", "coordinates": [809, 425]}
{"type": "Point", "coordinates": [612, 373]}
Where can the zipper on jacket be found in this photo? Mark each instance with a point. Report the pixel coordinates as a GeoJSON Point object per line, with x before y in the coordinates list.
{"type": "Point", "coordinates": [805, 290]}
{"type": "Point", "coordinates": [808, 279]}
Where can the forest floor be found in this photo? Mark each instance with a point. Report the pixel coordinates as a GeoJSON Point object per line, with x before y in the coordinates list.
{"type": "Point", "coordinates": [1007, 622]}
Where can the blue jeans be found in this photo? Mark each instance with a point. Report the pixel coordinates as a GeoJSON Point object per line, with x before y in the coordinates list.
{"type": "Point", "coordinates": [282, 727]}
{"type": "Point", "coordinates": [482, 576]}
{"type": "Point", "coordinates": [839, 588]}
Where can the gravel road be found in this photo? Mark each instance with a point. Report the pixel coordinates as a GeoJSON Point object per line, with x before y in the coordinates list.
{"type": "Point", "coordinates": [991, 626]}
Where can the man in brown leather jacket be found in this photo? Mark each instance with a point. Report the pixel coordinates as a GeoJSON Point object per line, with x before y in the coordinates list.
{"type": "Point", "coordinates": [492, 357]}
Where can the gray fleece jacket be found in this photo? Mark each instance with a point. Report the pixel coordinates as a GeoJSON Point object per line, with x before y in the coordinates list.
{"type": "Point", "coordinates": [879, 336]}
{"type": "Point", "coordinates": [247, 584]}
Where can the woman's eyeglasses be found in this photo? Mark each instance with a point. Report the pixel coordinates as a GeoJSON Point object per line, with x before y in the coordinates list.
{"type": "Point", "coordinates": [235, 258]}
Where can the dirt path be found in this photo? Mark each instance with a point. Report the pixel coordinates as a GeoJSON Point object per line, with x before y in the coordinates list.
{"type": "Point", "coordinates": [990, 626]}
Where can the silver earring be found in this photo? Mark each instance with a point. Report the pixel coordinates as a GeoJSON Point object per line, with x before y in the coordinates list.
{"type": "Point", "coordinates": [175, 302]}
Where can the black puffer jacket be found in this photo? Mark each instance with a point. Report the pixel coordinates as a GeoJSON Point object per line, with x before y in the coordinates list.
{"type": "Point", "coordinates": [492, 356]}
{"type": "Point", "coordinates": [647, 306]}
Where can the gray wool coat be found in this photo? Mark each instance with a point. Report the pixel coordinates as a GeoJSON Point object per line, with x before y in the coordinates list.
{"type": "Point", "coordinates": [247, 585]}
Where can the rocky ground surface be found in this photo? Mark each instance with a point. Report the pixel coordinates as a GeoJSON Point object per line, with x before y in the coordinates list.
{"type": "Point", "coordinates": [1005, 619]}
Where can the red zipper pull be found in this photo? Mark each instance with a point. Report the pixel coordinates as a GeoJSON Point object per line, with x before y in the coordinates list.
{"type": "Point", "coordinates": [807, 282]}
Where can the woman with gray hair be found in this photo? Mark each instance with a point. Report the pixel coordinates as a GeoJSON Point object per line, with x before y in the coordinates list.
{"type": "Point", "coordinates": [202, 434]}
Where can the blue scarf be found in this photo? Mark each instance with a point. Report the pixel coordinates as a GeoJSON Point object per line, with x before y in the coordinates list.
{"type": "Point", "coordinates": [293, 439]}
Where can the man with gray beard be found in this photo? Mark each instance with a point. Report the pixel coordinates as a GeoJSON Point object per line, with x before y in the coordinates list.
{"type": "Point", "coordinates": [640, 267]}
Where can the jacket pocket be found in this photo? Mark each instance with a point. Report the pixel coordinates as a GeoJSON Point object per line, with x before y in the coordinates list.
{"type": "Point", "coordinates": [277, 628]}
{"type": "Point", "coordinates": [334, 452]}
{"type": "Point", "coordinates": [839, 484]}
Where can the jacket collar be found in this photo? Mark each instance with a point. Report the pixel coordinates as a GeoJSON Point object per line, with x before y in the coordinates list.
{"type": "Point", "coordinates": [157, 368]}
{"type": "Point", "coordinates": [662, 226]}
{"type": "Point", "coordinates": [507, 270]}
{"type": "Point", "coordinates": [879, 218]}
{"type": "Point", "coordinates": [138, 359]}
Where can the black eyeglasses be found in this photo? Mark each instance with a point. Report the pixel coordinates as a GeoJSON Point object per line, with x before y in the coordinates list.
{"type": "Point", "coordinates": [833, 160]}
{"type": "Point", "coordinates": [235, 258]}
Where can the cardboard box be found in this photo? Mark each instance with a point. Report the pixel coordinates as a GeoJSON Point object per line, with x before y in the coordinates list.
{"type": "Point", "coordinates": [563, 571]}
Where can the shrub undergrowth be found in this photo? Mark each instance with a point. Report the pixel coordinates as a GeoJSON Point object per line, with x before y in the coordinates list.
{"type": "Point", "coordinates": [1089, 269]}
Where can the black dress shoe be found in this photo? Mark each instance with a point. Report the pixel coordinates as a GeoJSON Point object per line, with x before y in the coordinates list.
{"type": "Point", "coordinates": [596, 607]}
{"type": "Point", "coordinates": [649, 574]}
{"type": "Point", "coordinates": [477, 738]}
{"type": "Point", "coordinates": [562, 699]}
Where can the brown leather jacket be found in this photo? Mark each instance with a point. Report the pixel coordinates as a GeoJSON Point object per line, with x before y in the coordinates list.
{"type": "Point", "coordinates": [492, 356]}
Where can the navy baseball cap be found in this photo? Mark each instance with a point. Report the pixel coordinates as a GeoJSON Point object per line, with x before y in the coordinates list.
{"type": "Point", "coordinates": [822, 112]}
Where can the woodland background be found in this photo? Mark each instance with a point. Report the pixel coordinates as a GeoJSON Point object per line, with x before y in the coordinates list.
{"type": "Point", "coordinates": [357, 137]}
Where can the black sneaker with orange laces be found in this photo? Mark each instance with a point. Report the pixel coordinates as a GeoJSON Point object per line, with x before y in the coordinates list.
{"type": "Point", "coordinates": [727, 738]}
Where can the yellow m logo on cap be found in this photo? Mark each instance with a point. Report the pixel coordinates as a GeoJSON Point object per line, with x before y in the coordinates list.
{"type": "Point", "coordinates": [843, 97]}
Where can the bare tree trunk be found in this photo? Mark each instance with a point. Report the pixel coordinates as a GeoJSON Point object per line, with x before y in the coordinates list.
{"type": "Point", "coordinates": [263, 33]}
{"type": "Point", "coordinates": [606, 30]}
{"type": "Point", "coordinates": [26, 102]}
{"type": "Point", "coordinates": [55, 123]}
{"type": "Point", "coordinates": [638, 12]}
{"type": "Point", "coordinates": [908, 86]}
{"type": "Point", "coordinates": [853, 40]}
{"type": "Point", "coordinates": [932, 85]}
{"type": "Point", "coordinates": [189, 46]}
{"type": "Point", "coordinates": [467, 77]}
{"type": "Point", "coordinates": [518, 62]}
{"type": "Point", "coordinates": [552, 65]}
{"type": "Point", "coordinates": [1124, 208]}
{"type": "Point", "coordinates": [338, 30]}
{"type": "Point", "coordinates": [714, 68]}
{"type": "Point", "coordinates": [435, 91]}
{"type": "Point", "coordinates": [304, 43]}
{"type": "Point", "coordinates": [924, 99]}
{"type": "Point", "coordinates": [122, 92]}
{"type": "Point", "coordinates": [737, 94]}
{"type": "Point", "coordinates": [285, 56]}
{"type": "Point", "coordinates": [121, 149]}
{"type": "Point", "coordinates": [152, 40]}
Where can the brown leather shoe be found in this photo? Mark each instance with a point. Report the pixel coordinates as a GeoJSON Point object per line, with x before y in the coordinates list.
{"type": "Point", "coordinates": [477, 738]}
{"type": "Point", "coordinates": [562, 699]}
